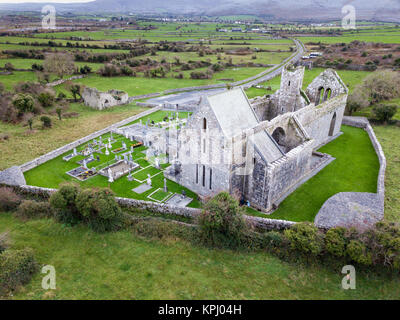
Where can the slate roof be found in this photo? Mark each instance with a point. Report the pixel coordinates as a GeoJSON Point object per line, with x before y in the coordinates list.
{"type": "Point", "coordinates": [235, 114]}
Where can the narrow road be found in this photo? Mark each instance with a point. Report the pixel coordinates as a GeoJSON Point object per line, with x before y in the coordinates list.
{"type": "Point", "coordinates": [190, 97]}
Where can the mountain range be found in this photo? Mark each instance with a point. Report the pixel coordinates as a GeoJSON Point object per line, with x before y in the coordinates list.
{"type": "Point", "coordinates": [285, 10]}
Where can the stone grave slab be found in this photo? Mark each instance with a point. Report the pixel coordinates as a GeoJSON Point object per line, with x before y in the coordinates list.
{"type": "Point", "coordinates": [142, 188]}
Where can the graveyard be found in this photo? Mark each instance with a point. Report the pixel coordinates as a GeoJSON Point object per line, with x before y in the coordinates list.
{"type": "Point", "coordinates": [118, 161]}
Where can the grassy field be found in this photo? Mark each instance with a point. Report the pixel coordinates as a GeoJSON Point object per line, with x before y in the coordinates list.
{"type": "Point", "coordinates": [122, 266]}
{"type": "Point", "coordinates": [355, 169]}
{"type": "Point", "coordinates": [388, 137]}
{"type": "Point", "coordinates": [24, 145]}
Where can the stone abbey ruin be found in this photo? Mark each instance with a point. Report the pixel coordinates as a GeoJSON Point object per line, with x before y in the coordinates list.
{"type": "Point", "coordinates": [263, 150]}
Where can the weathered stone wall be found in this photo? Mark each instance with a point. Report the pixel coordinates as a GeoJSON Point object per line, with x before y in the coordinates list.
{"type": "Point", "coordinates": [61, 81]}
{"type": "Point", "coordinates": [327, 81]}
{"type": "Point", "coordinates": [197, 148]}
{"type": "Point", "coordinates": [102, 100]}
{"type": "Point", "coordinates": [262, 223]}
{"type": "Point", "coordinates": [317, 119]}
{"type": "Point", "coordinates": [55, 153]}
{"type": "Point", "coordinates": [287, 171]}
{"type": "Point", "coordinates": [289, 91]}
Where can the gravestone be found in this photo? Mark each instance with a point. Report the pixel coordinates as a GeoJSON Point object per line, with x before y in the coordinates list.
{"type": "Point", "coordinates": [165, 185]}
{"type": "Point", "coordinates": [110, 177]}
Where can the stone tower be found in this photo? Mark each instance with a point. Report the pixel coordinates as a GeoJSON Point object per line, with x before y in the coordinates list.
{"type": "Point", "coordinates": [290, 90]}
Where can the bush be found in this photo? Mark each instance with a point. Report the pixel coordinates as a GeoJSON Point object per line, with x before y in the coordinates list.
{"type": "Point", "coordinates": [63, 202]}
{"type": "Point", "coordinates": [382, 85]}
{"type": "Point", "coordinates": [23, 103]}
{"type": "Point", "coordinates": [99, 209]}
{"type": "Point", "coordinates": [46, 121]}
{"type": "Point", "coordinates": [357, 100]}
{"type": "Point", "coordinates": [384, 112]}
{"type": "Point", "coordinates": [357, 251]}
{"type": "Point", "coordinates": [30, 209]}
{"type": "Point", "coordinates": [335, 241]}
{"type": "Point", "coordinates": [221, 222]}
{"type": "Point", "coordinates": [46, 99]}
{"type": "Point", "coordinates": [9, 200]}
{"type": "Point", "coordinates": [160, 229]}
{"type": "Point", "coordinates": [16, 268]}
{"type": "Point", "coordinates": [109, 70]}
{"type": "Point", "coordinates": [85, 69]}
{"type": "Point", "coordinates": [273, 238]}
{"type": "Point", "coordinates": [305, 237]}
{"type": "Point", "coordinates": [61, 96]}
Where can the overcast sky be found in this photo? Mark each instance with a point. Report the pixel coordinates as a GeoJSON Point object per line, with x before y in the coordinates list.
{"type": "Point", "coordinates": [47, 1]}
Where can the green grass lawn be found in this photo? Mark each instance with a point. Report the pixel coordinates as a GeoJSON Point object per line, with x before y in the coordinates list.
{"type": "Point", "coordinates": [389, 137]}
{"type": "Point", "coordinates": [121, 265]}
{"type": "Point", "coordinates": [354, 170]}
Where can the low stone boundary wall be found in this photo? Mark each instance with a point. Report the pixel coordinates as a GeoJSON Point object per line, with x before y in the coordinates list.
{"type": "Point", "coordinates": [212, 86]}
{"type": "Point", "coordinates": [258, 222]}
{"type": "Point", "coordinates": [61, 81]}
{"type": "Point", "coordinates": [55, 153]}
{"type": "Point", "coordinates": [143, 96]}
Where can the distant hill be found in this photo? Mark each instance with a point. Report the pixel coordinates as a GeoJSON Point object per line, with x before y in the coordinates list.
{"type": "Point", "coordinates": [274, 9]}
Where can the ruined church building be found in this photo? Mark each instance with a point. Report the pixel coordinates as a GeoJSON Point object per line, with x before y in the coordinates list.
{"type": "Point", "coordinates": [261, 150]}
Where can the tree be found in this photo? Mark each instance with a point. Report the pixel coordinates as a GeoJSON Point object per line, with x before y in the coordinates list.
{"type": "Point", "coordinates": [384, 112]}
{"type": "Point", "coordinates": [382, 85]}
{"type": "Point", "coordinates": [357, 100]}
{"type": "Point", "coordinates": [23, 102]}
{"type": "Point", "coordinates": [99, 209]}
{"type": "Point", "coordinates": [59, 111]}
{"type": "Point", "coordinates": [85, 69]}
{"type": "Point", "coordinates": [76, 91]}
{"type": "Point", "coordinates": [30, 123]}
{"type": "Point", "coordinates": [46, 121]}
{"type": "Point", "coordinates": [59, 63]}
{"type": "Point", "coordinates": [46, 99]}
{"type": "Point", "coordinates": [222, 222]}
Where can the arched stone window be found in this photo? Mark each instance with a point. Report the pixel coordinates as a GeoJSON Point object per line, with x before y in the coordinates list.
{"type": "Point", "coordinates": [328, 93]}
{"type": "Point", "coordinates": [320, 96]}
{"type": "Point", "coordinates": [210, 179]}
{"type": "Point", "coordinates": [204, 124]}
{"type": "Point", "coordinates": [279, 136]}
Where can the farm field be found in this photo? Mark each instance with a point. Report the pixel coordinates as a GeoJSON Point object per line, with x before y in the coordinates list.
{"type": "Point", "coordinates": [121, 265]}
